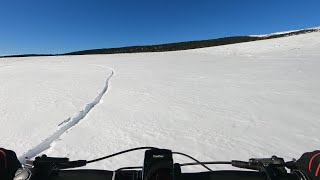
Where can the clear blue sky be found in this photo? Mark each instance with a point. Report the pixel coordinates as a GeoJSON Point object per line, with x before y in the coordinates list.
{"type": "Point", "coordinates": [58, 26]}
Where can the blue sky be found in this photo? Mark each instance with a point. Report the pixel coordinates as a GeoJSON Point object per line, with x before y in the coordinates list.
{"type": "Point", "coordinates": [58, 26]}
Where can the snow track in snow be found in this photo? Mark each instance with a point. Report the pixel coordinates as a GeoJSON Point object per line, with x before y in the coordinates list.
{"type": "Point", "coordinates": [66, 124]}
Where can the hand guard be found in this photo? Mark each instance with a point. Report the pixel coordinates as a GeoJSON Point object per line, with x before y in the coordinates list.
{"type": "Point", "coordinates": [309, 164]}
{"type": "Point", "coordinates": [9, 164]}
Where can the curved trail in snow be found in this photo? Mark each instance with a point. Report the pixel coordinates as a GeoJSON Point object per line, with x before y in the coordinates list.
{"type": "Point", "coordinates": [66, 124]}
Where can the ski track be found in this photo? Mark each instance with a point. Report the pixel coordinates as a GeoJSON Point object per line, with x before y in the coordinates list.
{"type": "Point", "coordinates": [69, 123]}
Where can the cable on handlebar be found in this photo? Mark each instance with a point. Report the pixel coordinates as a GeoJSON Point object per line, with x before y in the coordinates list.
{"type": "Point", "coordinates": [122, 152]}
{"type": "Point", "coordinates": [200, 163]}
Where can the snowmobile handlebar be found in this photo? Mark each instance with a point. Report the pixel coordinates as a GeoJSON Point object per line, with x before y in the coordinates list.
{"type": "Point", "coordinates": [137, 175]}
{"type": "Point", "coordinates": [158, 165]}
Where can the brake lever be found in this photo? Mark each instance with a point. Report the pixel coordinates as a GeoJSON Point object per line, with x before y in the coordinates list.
{"type": "Point", "coordinates": [57, 163]}
{"type": "Point", "coordinates": [291, 164]}
{"type": "Point", "coordinates": [274, 160]}
{"type": "Point", "coordinates": [273, 166]}
{"type": "Point", "coordinates": [43, 166]}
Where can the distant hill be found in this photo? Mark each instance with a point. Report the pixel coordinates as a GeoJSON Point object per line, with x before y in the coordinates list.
{"type": "Point", "coordinates": [177, 46]}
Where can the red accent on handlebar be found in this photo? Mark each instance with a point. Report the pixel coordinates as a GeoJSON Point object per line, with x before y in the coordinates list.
{"type": "Point", "coordinates": [318, 169]}
{"type": "Point", "coordinates": [310, 162]}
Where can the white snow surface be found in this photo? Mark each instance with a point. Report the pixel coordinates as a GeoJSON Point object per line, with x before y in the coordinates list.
{"type": "Point", "coordinates": [239, 101]}
{"type": "Point", "coordinates": [284, 32]}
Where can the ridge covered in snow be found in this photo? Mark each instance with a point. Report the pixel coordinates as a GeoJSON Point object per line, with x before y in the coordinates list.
{"type": "Point", "coordinates": [285, 32]}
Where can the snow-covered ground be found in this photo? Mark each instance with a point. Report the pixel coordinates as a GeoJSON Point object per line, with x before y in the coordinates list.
{"type": "Point", "coordinates": [284, 32]}
{"type": "Point", "coordinates": [239, 101]}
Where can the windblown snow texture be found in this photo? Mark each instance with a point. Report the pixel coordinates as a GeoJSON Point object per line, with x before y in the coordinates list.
{"type": "Point", "coordinates": [69, 123]}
